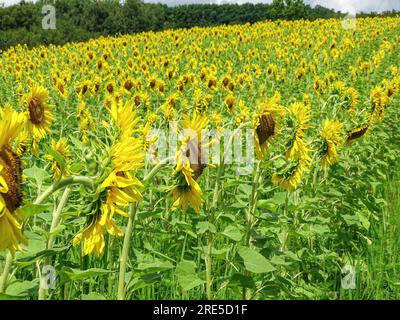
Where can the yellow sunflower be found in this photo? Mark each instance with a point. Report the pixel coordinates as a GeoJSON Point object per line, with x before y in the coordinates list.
{"type": "Point", "coordinates": [120, 188]}
{"type": "Point", "coordinates": [331, 137]}
{"type": "Point", "coordinates": [92, 237]}
{"type": "Point", "coordinates": [39, 113]}
{"type": "Point", "coordinates": [290, 176]}
{"type": "Point", "coordinates": [300, 117]}
{"type": "Point", "coordinates": [11, 123]}
{"type": "Point", "coordinates": [268, 122]}
{"type": "Point", "coordinates": [190, 164]}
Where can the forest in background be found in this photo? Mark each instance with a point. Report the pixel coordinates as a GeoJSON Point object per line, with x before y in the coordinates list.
{"type": "Point", "coordinates": [80, 20]}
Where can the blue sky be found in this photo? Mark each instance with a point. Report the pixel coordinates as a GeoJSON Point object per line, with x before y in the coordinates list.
{"type": "Point", "coordinates": [343, 5]}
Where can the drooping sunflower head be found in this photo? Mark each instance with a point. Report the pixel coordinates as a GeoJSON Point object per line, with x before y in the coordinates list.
{"type": "Point", "coordinates": [11, 123]}
{"type": "Point", "coordinates": [186, 191]}
{"type": "Point", "coordinates": [379, 102]}
{"type": "Point", "coordinates": [298, 122]}
{"type": "Point", "coordinates": [92, 237]}
{"type": "Point", "coordinates": [268, 122]}
{"type": "Point", "coordinates": [39, 113]}
{"type": "Point", "coordinates": [331, 137]}
{"type": "Point", "coordinates": [357, 132]}
{"type": "Point", "coordinates": [290, 176]}
{"type": "Point", "coordinates": [124, 117]}
{"type": "Point", "coordinates": [193, 143]}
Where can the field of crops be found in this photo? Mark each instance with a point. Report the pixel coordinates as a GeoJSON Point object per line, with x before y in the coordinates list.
{"type": "Point", "coordinates": [254, 161]}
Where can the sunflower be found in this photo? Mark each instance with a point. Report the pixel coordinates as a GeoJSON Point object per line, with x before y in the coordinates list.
{"type": "Point", "coordinates": [59, 158]}
{"type": "Point", "coordinates": [11, 123]}
{"type": "Point", "coordinates": [92, 237]}
{"type": "Point", "coordinates": [118, 190]}
{"type": "Point", "coordinates": [379, 102]}
{"type": "Point", "coordinates": [331, 139]}
{"type": "Point", "coordinates": [300, 117]}
{"type": "Point", "coordinates": [268, 122]}
{"type": "Point", "coordinates": [190, 164]}
{"type": "Point", "coordinates": [39, 113]}
{"type": "Point", "coordinates": [357, 132]}
{"type": "Point", "coordinates": [290, 176]}
{"type": "Point", "coordinates": [125, 118]}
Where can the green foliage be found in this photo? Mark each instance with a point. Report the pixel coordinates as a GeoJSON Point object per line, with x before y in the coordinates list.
{"type": "Point", "coordinates": [79, 20]}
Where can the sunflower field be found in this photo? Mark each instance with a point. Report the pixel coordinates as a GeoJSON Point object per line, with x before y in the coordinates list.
{"type": "Point", "coordinates": [92, 208]}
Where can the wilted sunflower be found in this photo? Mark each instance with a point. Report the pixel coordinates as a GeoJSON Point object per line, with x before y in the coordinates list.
{"type": "Point", "coordinates": [190, 164]}
{"type": "Point", "coordinates": [331, 140]}
{"type": "Point", "coordinates": [39, 113]}
{"type": "Point", "coordinates": [11, 124]}
{"type": "Point", "coordinates": [268, 122]}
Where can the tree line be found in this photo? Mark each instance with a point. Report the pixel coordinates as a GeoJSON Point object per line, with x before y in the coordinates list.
{"type": "Point", "coordinates": [79, 20]}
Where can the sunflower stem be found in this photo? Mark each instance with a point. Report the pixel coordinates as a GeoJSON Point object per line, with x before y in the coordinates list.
{"type": "Point", "coordinates": [208, 261]}
{"type": "Point", "coordinates": [62, 184]}
{"type": "Point", "coordinates": [6, 272]}
{"type": "Point", "coordinates": [156, 169]}
{"type": "Point", "coordinates": [125, 253]}
{"type": "Point", "coordinates": [54, 224]}
{"type": "Point", "coordinates": [251, 211]}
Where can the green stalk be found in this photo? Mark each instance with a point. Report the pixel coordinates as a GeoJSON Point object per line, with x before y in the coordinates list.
{"type": "Point", "coordinates": [4, 277]}
{"type": "Point", "coordinates": [208, 261]}
{"type": "Point", "coordinates": [54, 224]}
{"type": "Point", "coordinates": [251, 212]}
{"type": "Point", "coordinates": [157, 168]}
{"type": "Point", "coordinates": [211, 217]}
{"type": "Point", "coordinates": [125, 252]}
{"type": "Point", "coordinates": [53, 188]}
{"type": "Point", "coordinates": [62, 184]}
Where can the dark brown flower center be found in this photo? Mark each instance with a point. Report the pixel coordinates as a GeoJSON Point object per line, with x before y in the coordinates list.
{"type": "Point", "coordinates": [266, 128]}
{"type": "Point", "coordinates": [356, 133]}
{"type": "Point", "coordinates": [36, 111]}
{"type": "Point", "coordinates": [193, 153]}
{"type": "Point", "coordinates": [12, 174]}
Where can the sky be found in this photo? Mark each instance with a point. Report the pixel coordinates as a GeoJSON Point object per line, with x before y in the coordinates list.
{"type": "Point", "coordinates": [342, 5]}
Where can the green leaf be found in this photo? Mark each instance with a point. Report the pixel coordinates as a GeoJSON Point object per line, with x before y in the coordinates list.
{"type": "Point", "coordinates": [279, 198]}
{"type": "Point", "coordinates": [254, 261]}
{"type": "Point", "coordinates": [204, 226]}
{"type": "Point", "coordinates": [4, 296]}
{"type": "Point", "coordinates": [240, 280]}
{"type": "Point", "coordinates": [93, 296]}
{"type": "Point", "coordinates": [186, 274]}
{"type": "Point", "coordinates": [70, 274]}
{"type": "Point", "coordinates": [23, 288]}
{"type": "Point", "coordinates": [155, 266]}
{"type": "Point", "coordinates": [30, 257]}
{"type": "Point", "coordinates": [31, 209]}
{"type": "Point", "coordinates": [233, 233]}
{"type": "Point", "coordinates": [267, 205]}
{"type": "Point", "coordinates": [37, 174]}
